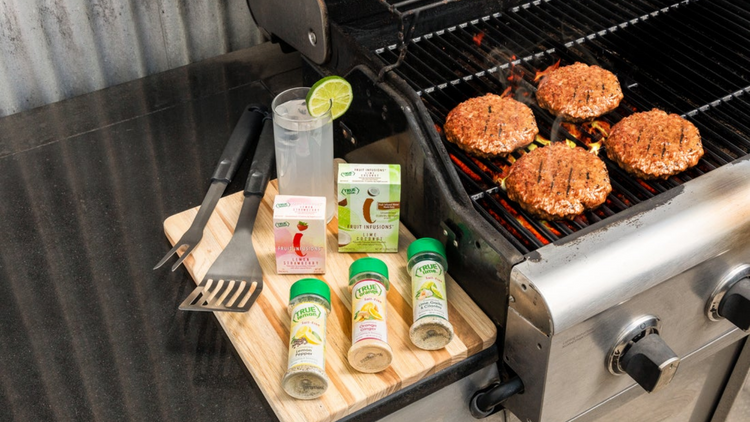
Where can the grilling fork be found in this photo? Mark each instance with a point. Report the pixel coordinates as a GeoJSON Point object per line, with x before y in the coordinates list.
{"type": "Point", "coordinates": [245, 132]}
{"type": "Point", "coordinates": [235, 279]}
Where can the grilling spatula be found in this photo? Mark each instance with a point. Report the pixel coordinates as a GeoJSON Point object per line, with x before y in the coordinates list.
{"type": "Point", "coordinates": [245, 133]}
{"type": "Point", "coordinates": [235, 279]}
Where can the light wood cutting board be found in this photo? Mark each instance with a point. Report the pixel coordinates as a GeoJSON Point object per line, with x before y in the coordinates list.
{"type": "Point", "coordinates": [261, 335]}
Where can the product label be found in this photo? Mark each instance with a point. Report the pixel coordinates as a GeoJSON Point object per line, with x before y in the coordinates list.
{"type": "Point", "coordinates": [428, 290]}
{"type": "Point", "coordinates": [369, 205]}
{"type": "Point", "coordinates": [307, 335]}
{"type": "Point", "coordinates": [300, 234]}
{"type": "Point", "coordinates": [369, 305]}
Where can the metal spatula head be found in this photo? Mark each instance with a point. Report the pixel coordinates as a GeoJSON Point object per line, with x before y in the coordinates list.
{"type": "Point", "coordinates": [227, 293]}
{"type": "Point", "coordinates": [235, 279]}
{"type": "Point", "coordinates": [231, 296]}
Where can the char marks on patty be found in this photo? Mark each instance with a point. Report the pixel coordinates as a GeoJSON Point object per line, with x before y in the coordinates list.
{"type": "Point", "coordinates": [654, 144]}
{"type": "Point", "coordinates": [579, 92]}
{"type": "Point", "coordinates": [490, 126]}
{"type": "Point", "coordinates": [556, 181]}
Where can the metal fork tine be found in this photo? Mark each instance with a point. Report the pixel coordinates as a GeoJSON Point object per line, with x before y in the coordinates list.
{"type": "Point", "coordinates": [183, 256]}
{"type": "Point", "coordinates": [169, 254]}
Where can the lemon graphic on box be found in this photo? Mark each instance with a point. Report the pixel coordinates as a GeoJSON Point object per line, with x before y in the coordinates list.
{"type": "Point", "coordinates": [307, 334]}
{"type": "Point", "coordinates": [368, 311]}
{"type": "Point", "coordinates": [428, 289]}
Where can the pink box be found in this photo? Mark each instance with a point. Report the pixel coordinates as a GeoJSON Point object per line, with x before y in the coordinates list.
{"type": "Point", "coordinates": [299, 228]}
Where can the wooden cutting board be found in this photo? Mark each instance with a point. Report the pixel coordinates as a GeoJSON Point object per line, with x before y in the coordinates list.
{"type": "Point", "coordinates": [261, 335]}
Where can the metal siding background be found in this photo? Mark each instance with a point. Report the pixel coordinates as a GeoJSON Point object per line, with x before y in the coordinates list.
{"type": "Point", "coordinates": [55, 49]}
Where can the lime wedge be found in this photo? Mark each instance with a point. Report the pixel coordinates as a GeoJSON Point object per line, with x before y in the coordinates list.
{"type": "Point", "coordinates": [333, 90]}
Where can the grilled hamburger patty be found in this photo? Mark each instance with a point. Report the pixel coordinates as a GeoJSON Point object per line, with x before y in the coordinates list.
{"type": "Point", "coordinates": [557, 181]}
{"type": "Point", "coordinates": [654, 144]}
{"type": "Point", "coordinates": [490, 125]}
{"type": "Point", "coordinates": [579, 92]}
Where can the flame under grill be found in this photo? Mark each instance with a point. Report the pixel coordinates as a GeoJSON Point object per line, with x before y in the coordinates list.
{"type": "Point", "coordinates": [688, 58]}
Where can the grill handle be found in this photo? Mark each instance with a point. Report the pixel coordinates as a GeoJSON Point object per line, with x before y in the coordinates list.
{"type": "Point", "coordinates": [485, 401]}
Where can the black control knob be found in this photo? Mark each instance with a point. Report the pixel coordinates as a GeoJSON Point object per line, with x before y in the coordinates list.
{"type": "Point", "coordinates": [735, 306]}
{"type": "Point", "coordinates": [650, 362]}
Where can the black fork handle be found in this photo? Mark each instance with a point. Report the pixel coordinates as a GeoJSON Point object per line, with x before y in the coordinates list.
{"type": "Point", "coordinates": [245, 131]}
{"type": "Point", "coordinates": [263, 160]}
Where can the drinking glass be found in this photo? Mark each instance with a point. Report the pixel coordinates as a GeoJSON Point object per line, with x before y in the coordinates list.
{"type": "Point", "coordinates": [304, 148]}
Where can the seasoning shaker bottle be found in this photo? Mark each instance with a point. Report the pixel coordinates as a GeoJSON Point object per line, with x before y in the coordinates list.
{"type": "Point", "coordinates": [369, 285]}
{"type": "Point", "coordinates": [309, 306]}
{"type": "Point", "coordinates": [427, 264]}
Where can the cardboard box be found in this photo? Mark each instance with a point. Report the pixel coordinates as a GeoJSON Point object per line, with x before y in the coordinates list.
{"type": "Point", "coordinates": [299, 227]}
{"type": "Point", "coordinates": [369, 197]}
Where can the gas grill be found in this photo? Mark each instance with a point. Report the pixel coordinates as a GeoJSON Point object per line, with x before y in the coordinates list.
{"type": "Point", "coordinates": [645, 292]}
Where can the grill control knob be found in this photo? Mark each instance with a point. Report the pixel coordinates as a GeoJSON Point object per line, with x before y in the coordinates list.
{"type": "Point", "coordinates": [731, 298]}
{"type": "Point", "coordinates": [735, 306]}
{"type": "Point", "coordinates": [641, 353]}
{"type": "Point", "coordinates": [650, 362]}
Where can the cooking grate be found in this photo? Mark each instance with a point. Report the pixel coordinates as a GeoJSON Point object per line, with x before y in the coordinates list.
{"type": "Point", "coordinates": [688, 58]}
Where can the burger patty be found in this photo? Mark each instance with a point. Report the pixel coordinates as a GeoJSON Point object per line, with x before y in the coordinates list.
{"type": "Point", "coordinates": [490, 126]}
{"type": "Point", "coordinates": [654, 144]}
{"type": "Point", "coordinates": [557, 181]}
{"type": "Point", "coordinates": [579, 92]}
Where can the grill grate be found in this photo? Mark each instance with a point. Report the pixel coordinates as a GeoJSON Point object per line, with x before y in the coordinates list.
{"type": "Point", "coordinates": [688, 58]}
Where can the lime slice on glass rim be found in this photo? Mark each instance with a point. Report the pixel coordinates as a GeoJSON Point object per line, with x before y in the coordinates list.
{"type": "Point", "coordinates": [333, 90]}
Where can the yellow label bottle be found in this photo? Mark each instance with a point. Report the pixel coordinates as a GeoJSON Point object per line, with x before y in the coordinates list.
{"type": "Point", "coordinates": [368, 284]}
{"type": "Point", "coordinates": [309, 305]}
{"type": "Point", "coordinates": [427, 265]}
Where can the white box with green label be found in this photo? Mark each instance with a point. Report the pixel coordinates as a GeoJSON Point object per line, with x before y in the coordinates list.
{"type": "Point", "coordinates": [369, 197]}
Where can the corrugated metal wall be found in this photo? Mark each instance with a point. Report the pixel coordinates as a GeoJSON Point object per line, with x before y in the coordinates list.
{"type": "Point", "coordinates": [55, 49]}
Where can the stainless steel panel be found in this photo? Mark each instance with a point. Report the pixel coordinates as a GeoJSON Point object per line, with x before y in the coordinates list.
{"type": "Point", "coordinates": [651, 242]}
{"type": "Point", "coordinates": [52, 50]}
{"type": "Point", "coordinates": [577, 357]}
{"type": "Point", "coordinates": [664, 261]}
{"type": "Point", "coordinates": [735, 402]}
{"type": "Point", "coordinates": [450, 403]}
{"type": "Point", "coordinates": [741, 410]}
{"type": "Point", "coordinates": [527, 352]}
{"type": "Point", "coordinates": [691, 396]}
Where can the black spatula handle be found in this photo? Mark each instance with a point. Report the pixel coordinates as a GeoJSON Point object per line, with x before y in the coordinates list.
{"type": "Point", "coordinates": [245, 131]}
{"type": "Point", "coordinates": [260, 169]}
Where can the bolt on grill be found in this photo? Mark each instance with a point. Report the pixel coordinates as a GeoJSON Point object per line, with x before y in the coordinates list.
{"type": "Point", "coordinates": [688, 58]}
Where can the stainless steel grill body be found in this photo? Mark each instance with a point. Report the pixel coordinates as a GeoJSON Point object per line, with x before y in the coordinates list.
{"type": "Point", "coordinates": [571, 300]}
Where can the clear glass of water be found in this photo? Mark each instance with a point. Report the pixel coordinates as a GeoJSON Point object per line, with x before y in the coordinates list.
{"type": "Point", "coordinates": [304, 148]}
